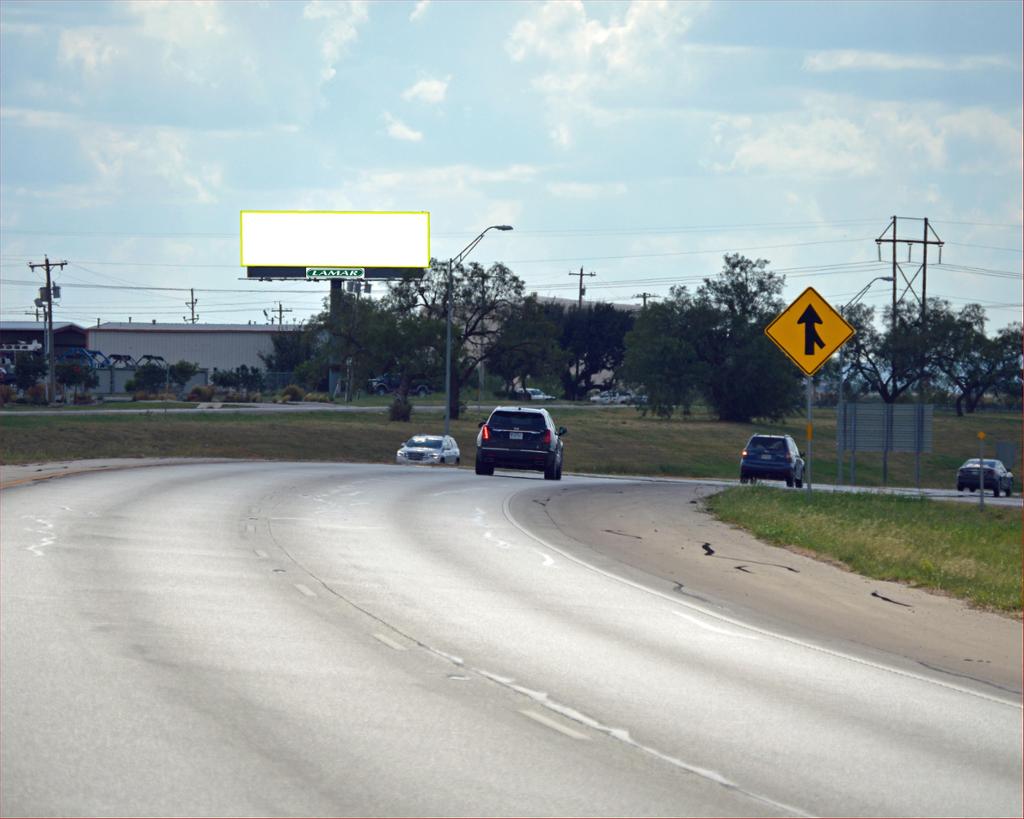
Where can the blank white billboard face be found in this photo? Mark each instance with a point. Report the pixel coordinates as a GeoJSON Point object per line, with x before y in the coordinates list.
{"type": "Point", "coordinates": [334, 239]}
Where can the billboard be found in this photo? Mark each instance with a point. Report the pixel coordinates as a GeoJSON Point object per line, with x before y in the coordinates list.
{"type": "Point", "coordinates": [289, 240]}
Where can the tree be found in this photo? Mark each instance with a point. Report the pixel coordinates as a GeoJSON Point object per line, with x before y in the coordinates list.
{"type": "Point", "coordinates": [595, 340]}
{"type": "Point", "coordinates": [181, 373]}
{"type": "Point", "coordinates": [890, 361]}
{"type": "Point", "coordinates": [527, 346]}
{"type": "Point", "coordinates": [75, 375]}
{"type": "Point", "coordinates": [149, 378]}
{"type": "Point", "coordinates": [970, 361]}
{"type": "Point", "coordinates": [660, 357]}
{"type": "Point", "coordinates": [745, 375]}
{"type": "Point", "coordinates": [482, 301]}
{"type": "Point", "coordinates": [29, 369]}
{"type": "Point", "coordinates": [713, 342]}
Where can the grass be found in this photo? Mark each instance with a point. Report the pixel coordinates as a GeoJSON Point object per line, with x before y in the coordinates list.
{"type": "Point", "coordinates": [946, 547]}
{"type": "Point", "coordinates": [609, 440]}
{"type": "Point", "coordinates": [942, 546]}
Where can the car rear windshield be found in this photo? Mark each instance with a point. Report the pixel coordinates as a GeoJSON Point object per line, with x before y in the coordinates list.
{"type": "Point", "coordinates": [776, 446]}
{"type": "Point", "coordinates": [432, 443]}
{"type": "Point", "coordinates": [530, 421]}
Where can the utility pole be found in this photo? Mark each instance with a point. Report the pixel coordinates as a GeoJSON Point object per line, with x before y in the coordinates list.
{"type": "Point", "coordinates": [583, 290]}
{"type": "Point", "coordinates": [47, 297]}
{"type": "Point", "coordinates": [579, 315]}
{"type": "Point", "coordinates": [645, 296]}
{"type": "Point", "coordinates": [191, 305]}
{"type": "Point", "coordinates": [929, 237]}
{"type": "Point", "coordinates": [280, 310]}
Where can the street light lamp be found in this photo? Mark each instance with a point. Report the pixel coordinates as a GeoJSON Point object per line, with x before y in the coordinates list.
{"type": "Point", "coordinates": [840, 408]}
{"type": "Point", "coordinates": [448, 324]}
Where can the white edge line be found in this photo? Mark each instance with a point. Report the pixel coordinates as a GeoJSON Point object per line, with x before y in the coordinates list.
{"type": "Point", "coordinates": [553, 725]}
{"type": "Point", "coordinates": [686, 604]}
{"type": "Point", "coordinates": [389, 642]}
{"type": "Point", "coordinates": [305, 590]}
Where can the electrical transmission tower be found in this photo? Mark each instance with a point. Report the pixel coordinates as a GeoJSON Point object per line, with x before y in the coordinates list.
{"type": "Point", "coordinates": [918, 289]}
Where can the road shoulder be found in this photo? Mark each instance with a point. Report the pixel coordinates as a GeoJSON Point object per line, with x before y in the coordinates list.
{"type": "Point", "coordinates": [660, 533]}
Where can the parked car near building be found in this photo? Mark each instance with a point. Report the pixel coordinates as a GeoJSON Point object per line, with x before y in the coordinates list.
{"type": "Point", "coordinates": [429, 449]}
{"type": "Point", "coordinates": [993, 473]}
{"type": "Point", "coordinates": [532, 394]}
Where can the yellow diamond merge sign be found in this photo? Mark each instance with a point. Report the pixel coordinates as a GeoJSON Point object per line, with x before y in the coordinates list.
{"type": "Point", "coordinates": [809, 331]}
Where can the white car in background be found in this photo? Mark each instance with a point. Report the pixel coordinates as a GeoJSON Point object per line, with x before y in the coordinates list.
{"type": "Point", "coordinates": [429, 449]}
{"type": "Point", "coordinates": [533, 394]}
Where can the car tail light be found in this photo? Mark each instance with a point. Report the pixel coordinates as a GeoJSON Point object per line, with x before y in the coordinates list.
{"type": "Point", "coordinates": [546, 437]}
{"type": "Point", "coordinates": [789, 457]}
{"type": "Point", "coordinates": [486, 432]}
{"type": "Point", "coordinates": [743, 454]}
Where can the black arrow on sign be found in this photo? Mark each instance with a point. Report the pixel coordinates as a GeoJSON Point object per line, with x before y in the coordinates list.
{"type": "Point", "coordinates": [809, 318]}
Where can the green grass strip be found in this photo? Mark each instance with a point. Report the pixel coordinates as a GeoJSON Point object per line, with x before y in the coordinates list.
{"type": "Point", "coordinates": [948, 547]}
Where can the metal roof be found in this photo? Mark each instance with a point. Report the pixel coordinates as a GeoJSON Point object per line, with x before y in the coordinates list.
{"type": "Point", "coordinates": [40, 326]}
{"type": "Point", "coordinates": [144, 327]}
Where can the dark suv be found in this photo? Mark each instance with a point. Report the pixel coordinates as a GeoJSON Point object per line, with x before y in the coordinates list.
{"type": "Point", "coordinates": [772, 457]}
{"type": "Point", "coordinates": [518, 438]}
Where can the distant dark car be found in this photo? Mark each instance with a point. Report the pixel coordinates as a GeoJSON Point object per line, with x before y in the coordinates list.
{"type": "Point", "coordinates": [995, 476]}
{"type": "Point", "coordinates": [773, 458]}
{"type": "Point", "coordinates": [520, 438]}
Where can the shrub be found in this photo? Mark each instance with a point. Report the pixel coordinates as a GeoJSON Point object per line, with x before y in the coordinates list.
{"type": "Point", "coordinates": [400, 410]}
{"type": "Point", "coordinates": [83, 398]}
{"type": "Point", "coordinates": [7, 394]}
{"type": "Point", "coordinates": [201, 393]}
{"type": "Point", "coordinates": [322, 397]}
{"type": "Point", "coordinates": [293, 392]}
{"type": "Point", "coordinates": [36, 394]}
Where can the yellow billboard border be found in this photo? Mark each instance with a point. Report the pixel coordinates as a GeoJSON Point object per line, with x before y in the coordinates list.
{"type": "Point", "coordinates": [426, 213]}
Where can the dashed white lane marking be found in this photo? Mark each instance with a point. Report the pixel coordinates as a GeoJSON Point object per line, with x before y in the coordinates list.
{"type": "Point", "coordinates": [705, 625]}
{"type": "Point", "coordinates": [48, 538]}
{"type": "Point", "coordinates": [389, 642]}
{"type": "Point", "coordinates": [305, 590]}
{"type": "Point", "coordinates": [548, 560]}
{"type": "Point", "coordinates": [553, 725]}
{"type": "Point", "coordinates": [261, 554]}
{"type": "Point", "coordinates": [497, 541]}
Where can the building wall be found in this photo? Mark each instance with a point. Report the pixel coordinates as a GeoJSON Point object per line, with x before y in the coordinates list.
{"type": "Point", "coordinates": [222, 349]}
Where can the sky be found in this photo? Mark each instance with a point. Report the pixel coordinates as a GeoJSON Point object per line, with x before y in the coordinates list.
{"type": "Point", "coordinates": [640, 141]}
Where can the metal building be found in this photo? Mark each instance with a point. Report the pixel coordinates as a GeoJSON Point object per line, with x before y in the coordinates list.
{"type": "Point", "coordinates": [16, 335]}
{"type": "Point", "coordinates": [211, 346]}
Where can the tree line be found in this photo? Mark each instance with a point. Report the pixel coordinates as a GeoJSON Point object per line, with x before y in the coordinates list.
{"type": "Point", "coordinates": [704, 346]}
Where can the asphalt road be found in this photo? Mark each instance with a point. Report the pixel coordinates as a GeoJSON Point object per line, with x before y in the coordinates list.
{"type": "Point", "coordinates": [309, 639]}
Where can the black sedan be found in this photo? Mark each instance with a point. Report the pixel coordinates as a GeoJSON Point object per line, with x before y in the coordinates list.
{"type": "Point", "coordinates": [994, 475]}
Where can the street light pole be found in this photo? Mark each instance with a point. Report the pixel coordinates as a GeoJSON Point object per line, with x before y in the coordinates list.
{"type": "Point", "coordinates": [840, 405]}
{"type": "Point", "coordinates": [452, 261]}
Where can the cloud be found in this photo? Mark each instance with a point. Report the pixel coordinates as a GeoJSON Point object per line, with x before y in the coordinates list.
{"type": "Point", "coordinates": [399, 130]}
{"type": "Point", "coordinates": [180, 24]}
{"type": "Point", "coordinates": [419, 10]}
{"type": "Point", "coordinates": [586, 190]}
{"type": "Point", "coordinates": [86, 49]}
{"type": "Point", "coordinates": [822, 147]}
{"type": "Point", "coordinates": [853, 60]}
{"type": "Point", "coordinates": [583, 60]}
{"type": "Point", "coordinates": [427, 90]}
{"type": "Point", "coordinates": [339, 28]}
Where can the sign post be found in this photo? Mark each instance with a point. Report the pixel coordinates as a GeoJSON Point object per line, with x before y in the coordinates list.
{"type": "Point", "coordinates": [809, 331]}
{"type": "Point", "coordinates": [981, 471]}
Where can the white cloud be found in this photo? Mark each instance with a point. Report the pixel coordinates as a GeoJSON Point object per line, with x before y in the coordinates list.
{"type": "Point", "coordinates": [85, 49]}
{"type": "Point", "coordinates": [586, 190]}
{"type": "Point", "coordinates": [419, 10]}
{"type": "Point", "coordinates": [399, 130]}
{"type": "Point", "coordinates": [181, 24]}
{"type": "Point", "coordinates": [427, 90]}
{"type": "Point", "coordinates": [822, 147]}
{"type": "Point", "coordinates": [849, 59]}
{"type": "Point", "coordinates": [583, 59]}
{"type": "Point", "coordinates": [340, 23]}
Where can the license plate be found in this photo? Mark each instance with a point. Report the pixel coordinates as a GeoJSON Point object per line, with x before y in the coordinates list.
{"type": "Point", "coordinates": [515, 436]}
{"type": "Point", "coordinates": [766, 457]}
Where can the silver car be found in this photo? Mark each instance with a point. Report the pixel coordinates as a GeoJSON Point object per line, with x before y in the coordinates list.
{"type": "Point", "coordinates": [429, 449]}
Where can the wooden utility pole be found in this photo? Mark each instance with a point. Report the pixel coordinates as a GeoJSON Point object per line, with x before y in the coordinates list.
{"type": "Point", "coordinates": [645, 296]}
{"type": "Point", "coordinates": [583, 290]}
{"type": "Point", "coordinates": [191, 305]}
{"type": "Point", "coordinates": [47, 297]}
